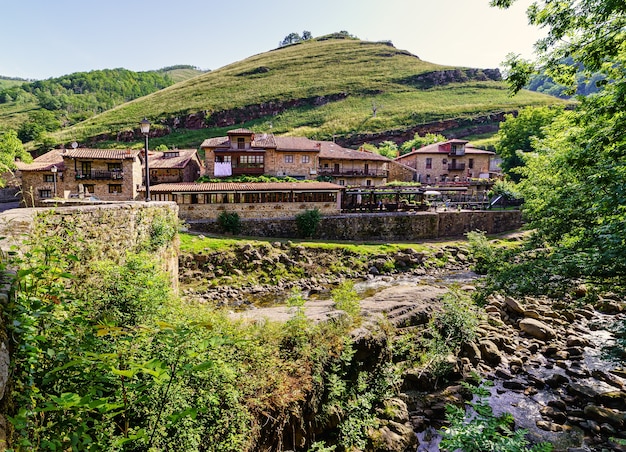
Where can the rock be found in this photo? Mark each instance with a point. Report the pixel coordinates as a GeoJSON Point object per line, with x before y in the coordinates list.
{"type": "Point", "coordinates": [4, 368]}
{"type": "Point", "coordinates": [602, 415]}
{"type": "Point", "coordinates": [612, 399]}
{"type": "Point", "coordinates": [394, 409]}
{"type": "Point", "coordinates": [576, 341]}
{"type": "Point", "coordinates": [556, 380]}
{"type": "Point", "coordinates": [373, 271]}
{"type": "Point", "coordinates": [394, 437]}
{"type": "Point", "coordinates": [490, 352]}
{"type": "Point", "coordinates": [537, 329]}
{"type": "Point", "coordinates": [556, 415]}
{"type": "Point", "coordinates": [515, 385]}
{"type": "Point", "coordinates": [514, 305]}
{"type": "Point", "coordinates": [582, 392]}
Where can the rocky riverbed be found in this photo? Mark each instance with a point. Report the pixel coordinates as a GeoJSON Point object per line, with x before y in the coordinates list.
{"type": "Point", "coordinates": [548, 359]}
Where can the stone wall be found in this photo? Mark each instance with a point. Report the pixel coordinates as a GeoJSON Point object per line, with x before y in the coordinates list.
{"type": "Point", "coordinates": [265, 211]}
{"type": "Point", "coordinates": [397, 226]}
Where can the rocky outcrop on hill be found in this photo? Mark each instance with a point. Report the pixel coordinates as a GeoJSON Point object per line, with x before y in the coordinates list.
{"type": "Point", "coordinates": [439, 78]}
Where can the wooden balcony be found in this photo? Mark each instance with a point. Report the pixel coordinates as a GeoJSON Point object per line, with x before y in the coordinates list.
{"type": "Point", "coordinates": [352, 172]}
{"type": "Point", "coordinates": [456, 166]}
{"type": "Point", "coordinates": [99, 175]}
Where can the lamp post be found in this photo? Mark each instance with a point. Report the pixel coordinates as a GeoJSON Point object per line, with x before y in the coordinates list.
{"type": "Point", "coordinates": [54, 170]}
{"type": "Point", "coordinates": [145, 129]}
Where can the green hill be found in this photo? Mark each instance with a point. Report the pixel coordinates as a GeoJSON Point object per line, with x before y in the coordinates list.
{"type": "Point", "coordinates": [325, 87]}
{"type": "Point", "coordinates": [69, 99]}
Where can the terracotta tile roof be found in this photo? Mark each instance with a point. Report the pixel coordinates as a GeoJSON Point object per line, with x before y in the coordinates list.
{"type": "Point", "coordinates": [261, 140]}
{"type": "Point", "coordinates": [159, 161]}
{"type": "Point", "coordinates": [297, 144]}
{"type": "Point", "coordinates": [240, 132]}
{"type": "Point", "coordinates": [100, 154]}
{"type": "Point", "coordinates": [330, 150]}
{"type": "Point", "coordinates": [191, 187]}
{"type": "Point", "coordinates": [437, 148]}
{"type": "Point", "coordinates": [44, 162]}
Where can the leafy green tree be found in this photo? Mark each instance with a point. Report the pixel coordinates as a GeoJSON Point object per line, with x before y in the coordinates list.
{"type": "Point", "coordinates": [517, 134]}
{"type": "Point", "coordinates": [419, 141]}
{"type": "Point", "coordinates": [11, 148]}
{"type": "Point", "coordinates": [388, 149]}
{"type": "Point", "coordinates": [574, 185]}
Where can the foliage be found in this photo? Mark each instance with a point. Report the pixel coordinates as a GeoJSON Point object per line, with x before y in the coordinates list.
{"type": "Point", "coordinates": [457, 321]}
{"type": "Point", "coordinates": [294, 38]}
{"type": "Point", "coordinates": [388, 149]}
{"type": "Point", "coordinates": [479, 429]}
{"type": "Point", "coordinates": [229, 222]}
{"type": "Point", "coordinates": [115, 362]}
{"type": "Point", "coordinates": [307, 222]}
{"type": "Point", "coordinates": [11, 148]}
{"type": "Point", "coordinates": [419, 141]}
{"type": "Point", "coordinates": [347, 300]}
{"type": "Point", "coordinates": [505, 188]}
{"type": "Point", "coordinates": [517, 134]}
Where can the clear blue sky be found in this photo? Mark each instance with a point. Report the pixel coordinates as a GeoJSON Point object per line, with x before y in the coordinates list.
{"type": "Point", "coordinates": [45, 38]}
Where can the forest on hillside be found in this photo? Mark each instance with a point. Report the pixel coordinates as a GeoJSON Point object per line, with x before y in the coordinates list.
{"type": "Point", "coordinates": [75, 97]}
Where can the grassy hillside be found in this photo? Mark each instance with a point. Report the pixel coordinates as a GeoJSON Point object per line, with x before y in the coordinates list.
{"type": "Point", "coordinates": [319, 88]}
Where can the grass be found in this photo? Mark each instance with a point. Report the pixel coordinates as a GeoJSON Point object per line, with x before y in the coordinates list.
{"type": "Point", "coordinates": [364, 72]}
{"type": "Point", "coordinates": [192, 243]}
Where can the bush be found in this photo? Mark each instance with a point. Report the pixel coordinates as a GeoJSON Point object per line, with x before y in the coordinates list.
{"type": "Point", "coordinates": [479, 429]}
{"type": "Point", "coordinates": [229, 222]}
{"type": "Point", "coordinates": [307, 222]}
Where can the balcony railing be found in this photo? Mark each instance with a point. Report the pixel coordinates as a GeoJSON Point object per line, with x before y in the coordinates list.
{"type": "Point", "coordinates": [352, 173]}
{"type": "Point", "coordinates": [456, 166]}
{"type": "Point", "coordinates": [99, 175]}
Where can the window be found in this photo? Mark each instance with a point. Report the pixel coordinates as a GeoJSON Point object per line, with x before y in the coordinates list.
{"type": "Point", "coordinates": [45, 194]}
{"type": "Point", "coordinates": [471, 163]}
{"type": "Point", "coordinates": [48, 177]}
{"type": "Point", "coordinates": [241, 143]}
{"type": "Point", "coordinates": [342, 182]}
{"type": "Point", "coordinates": [85, 167]}
{"type": "Point", "coordinates": [429, 163]}
{"type": "Point", "coordinates": [368, 182]}
{"type": "Point", "coordinates": [170, 154]}
{"type": "Point", "coordinates": [223, 158]}
{"type": "Point", "coordinates": [115, 188]}
{"type": "Point", "coordinates": [306, 158]}
{"type": "Point", "coordinates": [444, 161]}
{"type": "Point", "coordinates": [289, 159]}
{"type": "Point", "coordinates": [251, 159]}
{"type": "Point", "coordinates": [114, 166]}
{"type": "Point", "coordinates": [91, 188]}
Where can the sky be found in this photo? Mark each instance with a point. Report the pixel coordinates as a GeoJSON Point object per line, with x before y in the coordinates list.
{"type": "Point", "coordinates": [41, 39]}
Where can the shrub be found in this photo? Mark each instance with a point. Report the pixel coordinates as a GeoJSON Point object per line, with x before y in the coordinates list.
{"type": "Point", "coordinates": [347, 300]}
{"type": "Point", "coordinates": [479, 429]}
{"type": "Point", "coordinates": [307, 222]}
{"type": "Point", "coordinates": [229, 222]}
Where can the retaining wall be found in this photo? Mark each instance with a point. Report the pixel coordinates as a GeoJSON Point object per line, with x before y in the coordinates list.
{"type": "Point", "coordinates": [397, 226]}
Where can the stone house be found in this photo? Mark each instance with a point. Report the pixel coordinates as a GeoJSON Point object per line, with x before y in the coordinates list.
{"type": "Point", "coordinates": [173, 166]}
{"type": "Point", "coordinates": [348, 167]}
{"type": "Point", "coordinates": [448, 161]}
{"type": "Point", "coordinates": [243, 152]}
{"type": "Point", "coordinates": [202, 201]}
{"type": "Point", "coordinates": [107, 174]}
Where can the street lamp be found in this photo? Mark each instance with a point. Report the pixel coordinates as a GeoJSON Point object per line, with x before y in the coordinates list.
{"type": "Point", "coordinates": [54, 170]}
{"type": "Point", "coordinates": [145, 129]}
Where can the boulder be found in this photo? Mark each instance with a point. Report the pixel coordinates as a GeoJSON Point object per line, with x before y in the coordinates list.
{"type": "Point", "coordinates": [394, 437]}
{"type": "Point", "coordinates": [537, 329]}
{"type": "Point", "coordinates": [490, 352]}
{"type": "Point", "coordinates": [514, 305]}
{"type": "Point", "coordinates": [605, 415]}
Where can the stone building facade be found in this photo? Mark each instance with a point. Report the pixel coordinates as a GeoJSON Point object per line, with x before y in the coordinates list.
{"type": "Point", "coordinates": [243, 152]}
{"type": "Point", "coordinates": [453, 160]}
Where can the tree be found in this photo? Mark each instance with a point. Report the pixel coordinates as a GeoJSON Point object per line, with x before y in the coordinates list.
{"type": "Point", "coordinates": [419, 141]}
{"type": "Point", "coordinates": [388, 149]}
{"type": "Point", "coordinates": [291, 38]}
{"type": "Point", "coordinates": [575, 183]}
{"type": "Point", "coordinates": [306, 35]}
{"type": "Point", "coordinates": [517, 134]}
{"type": "Point", "coordinates": [11, 148]}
